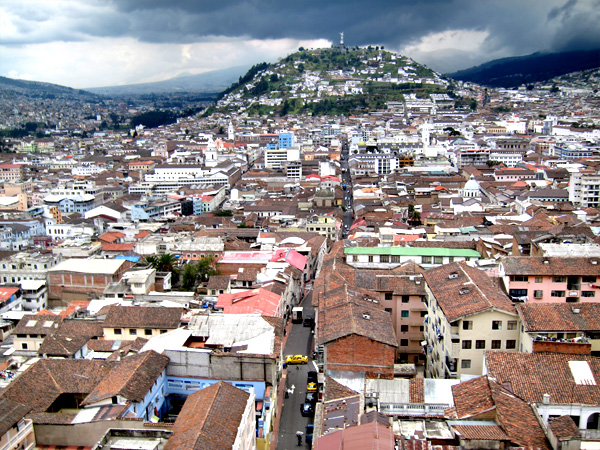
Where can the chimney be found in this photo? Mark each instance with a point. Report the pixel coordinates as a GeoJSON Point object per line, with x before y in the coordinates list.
{"type": "Point", "coordinates": [546, 399]}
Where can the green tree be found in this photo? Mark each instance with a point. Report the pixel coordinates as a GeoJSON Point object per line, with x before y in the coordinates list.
{"type": "Point", "coordinates": [198, 272]}
{"type": "Point", "coordinates": [164, 263]}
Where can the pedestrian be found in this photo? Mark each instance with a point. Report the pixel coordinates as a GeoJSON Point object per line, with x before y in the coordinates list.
{"type": "Point", "coordinates": [299, 435]}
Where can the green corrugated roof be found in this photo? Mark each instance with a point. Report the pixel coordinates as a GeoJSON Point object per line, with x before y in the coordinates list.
{"type": "Point", "coordinates": [412, 251]}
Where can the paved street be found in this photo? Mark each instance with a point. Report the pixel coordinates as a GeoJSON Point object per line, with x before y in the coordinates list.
{"type": "Point", "coordinates": [299, 342]}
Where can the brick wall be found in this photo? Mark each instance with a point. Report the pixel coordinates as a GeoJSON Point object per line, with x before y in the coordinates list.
{"type": "Point", "coordinates": [562, 347]}
{"type": "Point", "coordinates": [361, 354]}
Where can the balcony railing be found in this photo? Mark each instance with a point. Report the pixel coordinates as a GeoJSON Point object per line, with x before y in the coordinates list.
{"type": "Point", "coordinates": [413, 409]}
{"type": "Point", "coordinates": [20, 435]}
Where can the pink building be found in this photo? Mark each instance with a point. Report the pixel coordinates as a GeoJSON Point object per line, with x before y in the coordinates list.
{"type": "Point", "coordinates": [551, 279]}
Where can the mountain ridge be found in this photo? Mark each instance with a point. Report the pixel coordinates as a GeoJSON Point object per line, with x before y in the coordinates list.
{"type": "Point", "coordinates": [535, 67]}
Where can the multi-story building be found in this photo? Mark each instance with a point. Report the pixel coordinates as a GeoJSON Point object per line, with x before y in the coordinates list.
{"type": "Point", "coordinates": [11, 172]}
{"type": "Point", "coordinates": [584, 188]}
{"type": "Point", "coordinates": [466, 315]}
{"type": "Point", "coordinates": [389, 257]}
{"type": "Point", "coordinates": [35, 295]}
{"type": "Point", "coordinates": [26, 266]}
{"type": "Point", "coordinates": [551, 279]}
{"type": "Point", "coordinates": [560, 327]}
{"type": "Point", "coordinates": [475, 156]}
{"type": "Point", "coordinates": [11, 297]}
{"type": "Point", "coordinates": [78, 279]}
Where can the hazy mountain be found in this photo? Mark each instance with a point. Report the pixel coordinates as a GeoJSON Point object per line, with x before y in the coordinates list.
{"type": "Point", "coordinates": [208, 82]}
{"type": "Point", "coordinates": [39, 89]}
{"type": "Point", "coordinates": [510, 72]}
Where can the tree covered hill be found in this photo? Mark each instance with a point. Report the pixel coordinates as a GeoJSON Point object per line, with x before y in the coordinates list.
{"type": "Point", "coordinates": [329, 81]}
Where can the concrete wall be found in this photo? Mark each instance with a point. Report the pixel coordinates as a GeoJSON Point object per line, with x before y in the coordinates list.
{"type": "Point", "coordinates": [83, 434]}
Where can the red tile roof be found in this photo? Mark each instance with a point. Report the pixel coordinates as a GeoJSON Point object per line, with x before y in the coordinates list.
{"type": "Point", "coordinates": [209, 419]}
{"type": "Point", "coordinates": [531, 375]}
{"type": "Point", "coordinates": [462, 290]}
{"type": "Point", "coordinates": [560, 316]}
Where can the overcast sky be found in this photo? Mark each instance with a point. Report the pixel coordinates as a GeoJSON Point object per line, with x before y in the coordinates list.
{"type": "Point", "coordinates": [90, 43]}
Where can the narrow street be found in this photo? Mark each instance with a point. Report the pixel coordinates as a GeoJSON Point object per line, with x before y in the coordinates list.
{"type": "Point", "coordinates": [299, 342]}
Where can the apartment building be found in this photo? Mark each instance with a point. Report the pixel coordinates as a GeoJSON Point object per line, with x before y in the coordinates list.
{"type": "Point", "coordinates": [466, 315]}
{"type": "Point", "coordinates": [551, 279]}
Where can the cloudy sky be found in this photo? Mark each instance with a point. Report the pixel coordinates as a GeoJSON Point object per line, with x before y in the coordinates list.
{"type": "Point", "coordinates": [90, 43]}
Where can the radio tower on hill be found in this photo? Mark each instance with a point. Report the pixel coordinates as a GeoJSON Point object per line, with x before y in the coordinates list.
{"type": "Point", "coordinates": [342, 48]}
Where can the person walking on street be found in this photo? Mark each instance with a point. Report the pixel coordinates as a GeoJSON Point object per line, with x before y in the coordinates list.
{"type": "Point", "coordinates": [299, 435]}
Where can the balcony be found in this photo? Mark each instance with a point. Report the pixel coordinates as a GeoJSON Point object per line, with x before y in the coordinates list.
{"type": "Point", "coordinates": [413, 409]}
{"type": "Point", "coordinates": [18, 439]}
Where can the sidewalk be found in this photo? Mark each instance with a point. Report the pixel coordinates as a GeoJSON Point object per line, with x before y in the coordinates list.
{"type": "Point", "coordinates": [280, 390]}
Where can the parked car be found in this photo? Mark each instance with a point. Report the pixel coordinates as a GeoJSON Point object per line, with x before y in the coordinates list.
{"type": "Point", "coordinates": [296, 359]}
{"type": "Point", "coordinates": [311, 387]}
{"type": "Point", "coordinates": [311, 397]}
{"type": "Point", "coordinates": [312, 376]}
{"type": "Point", "coordinates": [309, 433]}
{"type": "Point", "coordinates": [307, 409]}
{"type": "Point", "coordinates": [309, 322]}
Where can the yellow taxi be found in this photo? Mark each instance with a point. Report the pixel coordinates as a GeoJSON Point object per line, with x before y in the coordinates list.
{"type": "Point", "coordinates": [296, 359]}
{"type": "Point", "coordinates": [311, 387]}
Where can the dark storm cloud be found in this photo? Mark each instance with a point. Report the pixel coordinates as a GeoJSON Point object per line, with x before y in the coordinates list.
{"type": "Point", "coordinates": [514, 25]}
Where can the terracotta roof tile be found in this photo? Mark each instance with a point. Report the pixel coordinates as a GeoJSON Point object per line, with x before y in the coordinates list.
{"type": "Point", "coordinates": [518, 420]}
{"type": "Point", "coordinates": [531, 375]}
{"type": "Point", "coordinates": [345, 311]}
{"type": "Point", "coordinates": [416, 390]}
{"type": "Point", "coordinates": [564, 428]}
{"type": "Point", "coordinates": [209, 419]}
{"type": "Point", "coordinates": [461, 290]}
{"type": "Point", "coordinates": [335, 390]}
{"type": "Point", "coordinates": [143, 317]}
{"type": "Point", "coordinates": [472, 397]}
{"type": "Point", "coordinates": [560, 316]}
{"type": "Point", "coordinates": [538, 265]}
{"type": "Point", "coordinates": [481, 432]}
{"type": "Point", "coordinates": [132, 378]}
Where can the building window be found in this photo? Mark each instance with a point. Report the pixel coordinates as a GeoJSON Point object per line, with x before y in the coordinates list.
{"type": "Point", "coordinates": [588, 293]}
{"type": "Point", "coordinates": [467, 324]}
{"type": "Point", "coordinates": [559, 279]}
{"type": "Point", "coordinates": [384, 258]}
{"type": "Point", "coordinates": [438, 260]}
{"type": "Point", "coordinates": [517, 292]}
{"type": "Point", "coordinates": [511, 325]}
{"type": "Point", "coordinates": [511, 344]}
{"type": "Point", "coordinates": [465, 364]}
{"type": "Point", "coordinates": [539, 279]}
{"type": "Point", "coordinates": [148, 332]}
{"type": "Point", "coordinates": [117, 331]}
{"type": "Point", "coordinates": [404, 313]}
{"type": "Point", "coordinates": [163, 331]}
{"type": "Point", "coordinates": [405, 299]}
{"type": "Point", "coordinates": [389, 295]}
{"type": "Point", "coordinates": [538, 294]}
{"type": "Point", "coordinates": [557, 293]}
{"type": "Point", "coordinates": [588, 279]}
{"type": "Point", "coordinates": [466, 345]}
{"type": "Point", "coordinates": [480, 344]}
{"type": "Point", "coordinates": [23, 345]}
{"type": "Point", "coordinates": [519, 278]}
{"type": "Point", "coordinates": [404, 328]}
{"type": "Point", "coordinates": [496, 344]}
{"type": "Point", "coordinates": [370, 258]}
{"type": "Point", "coordinates": [354, 258]}
{"type": "Point", "coordinates": [426, 260]}
{"type": "Point", "coordinates": [496, 324]}
{"type": "Point", "coordinates": [389, 310]}
{"type": "Point", "coordinates": [132, 331]}
{"type": "Point", "coordinates": [403, 342]}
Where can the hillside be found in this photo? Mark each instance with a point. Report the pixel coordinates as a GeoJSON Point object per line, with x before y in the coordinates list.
{"type": "Point", "coordinates": [512, 72]}
{"type": "Point", "coordinates": [37, 89]}
{"type": "Point", "coordinates": [209, 82]}
{"type": "Point", "coordinates": [329, 81]}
